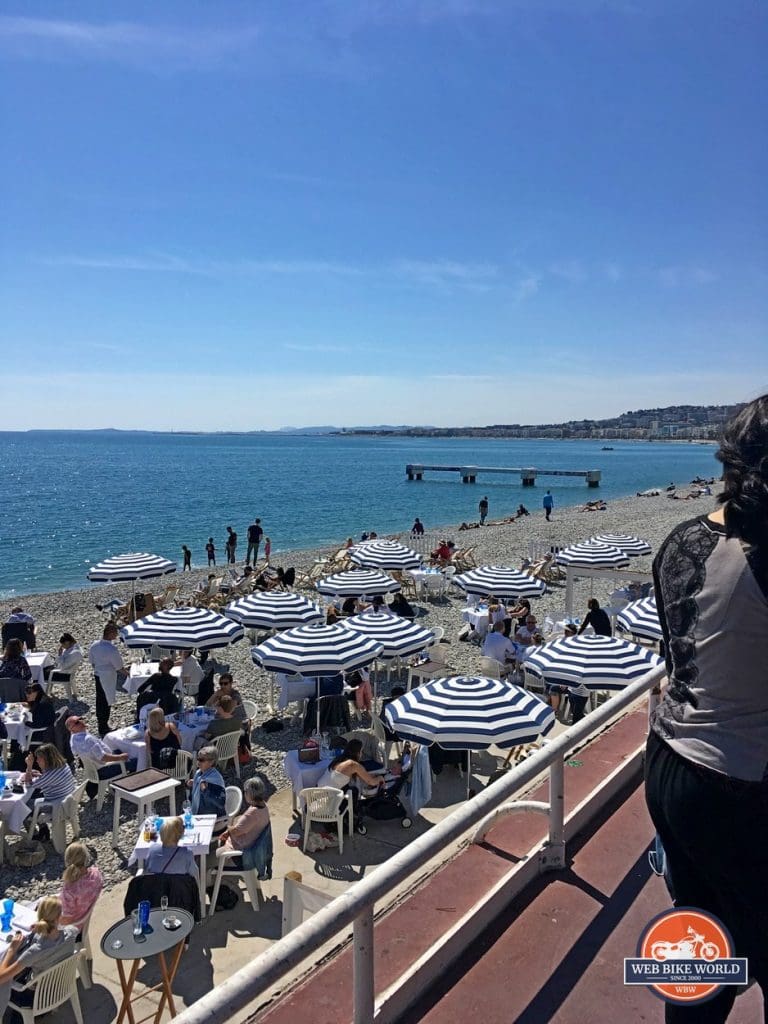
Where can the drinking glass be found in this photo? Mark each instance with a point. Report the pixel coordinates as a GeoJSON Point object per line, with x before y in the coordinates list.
{"type": "Point", "coordinates": [163, 903]}
{"type": "Point", "coordinates": [137, 932]}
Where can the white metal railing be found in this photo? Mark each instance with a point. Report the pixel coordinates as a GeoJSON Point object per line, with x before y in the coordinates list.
{"type": "Point", "coordinates": [356, 905]}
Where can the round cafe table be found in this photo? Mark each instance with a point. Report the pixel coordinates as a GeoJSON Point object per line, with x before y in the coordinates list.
{"type": "Point", "coordinates": [157, 943]}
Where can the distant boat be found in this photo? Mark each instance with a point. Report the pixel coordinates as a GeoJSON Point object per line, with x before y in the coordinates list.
{"type": "Point", "coordinates": [606, 448]}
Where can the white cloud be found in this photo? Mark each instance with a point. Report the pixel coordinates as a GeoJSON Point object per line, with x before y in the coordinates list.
{"type": "Point", "coordinates": [685, 276]}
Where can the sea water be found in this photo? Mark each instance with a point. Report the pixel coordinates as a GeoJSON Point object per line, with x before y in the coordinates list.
{"type": "Point", "coordinates": [70, 499]}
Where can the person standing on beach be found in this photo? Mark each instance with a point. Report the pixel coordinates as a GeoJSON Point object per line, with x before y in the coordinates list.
{"type": "Point", "coordinates": [255, 533]}
{"type": "Point", "coordinates": [549, 504]}
{"type": "Point", "coordinates": [267, 549]}
{"type": "Point", "coordinates": [187, 559]}
{"type": "Point", "coordinates": [231, 546]}
{"type": "Point", "coordinates": [210, 550]}
{"type": "Point", "coordinates": [418, 527]}
{"type": "Point", "coordinates": [482, 508]}
{"type": "Point", "coordinates": [108, 670]}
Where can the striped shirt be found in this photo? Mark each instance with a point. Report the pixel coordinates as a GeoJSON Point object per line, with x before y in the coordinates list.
{"type": "Point", "coordinates": [57, 783]}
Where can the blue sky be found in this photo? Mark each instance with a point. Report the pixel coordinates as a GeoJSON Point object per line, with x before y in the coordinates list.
{"type": "Point", "coordinates": [248, 215]}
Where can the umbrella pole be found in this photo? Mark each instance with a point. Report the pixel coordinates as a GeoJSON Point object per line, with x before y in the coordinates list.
{"type": "Point", "coordinates": [469, 769]}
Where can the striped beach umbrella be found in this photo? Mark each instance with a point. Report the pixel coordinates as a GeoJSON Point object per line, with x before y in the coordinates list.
{"type": "Point", "coordinates": [183, 628]}
{"type": "Point", "coordinates": [399, 637]}
{"type": "Point", "coordinates": [355, 582]}
{"type": "Point", "coordinates": [385, 554]}
{"type": "Point", "coordinates": [127, 568]}
{"type": "Point", "coordinates": [499, 581]}
{"type": "Point", "coordinates": [274, 610]}
{"type": "Point", "coordinates": [470, 713]}
{"type": "Point", "coordinates": [316, 650]}
{"type": "Point", "coordinates": [641, 618]}
{"type": "Point", "coordinates": [591, 555]}
{"type": "Point", "coordinates": [625, 542]}
{"type": "Point", "coordinates": [599, 662]}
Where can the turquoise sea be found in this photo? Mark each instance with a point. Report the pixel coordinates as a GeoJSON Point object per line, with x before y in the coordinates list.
{"type": "Point", "coordinates": [70, 499]}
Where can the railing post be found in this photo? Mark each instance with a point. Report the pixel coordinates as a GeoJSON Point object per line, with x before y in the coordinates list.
{"type": "Point", "coordinates": [553, 854]}
{"type": "Point", "coordinates": [362, 967]}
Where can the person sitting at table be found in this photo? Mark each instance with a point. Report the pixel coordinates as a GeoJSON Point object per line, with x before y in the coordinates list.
{"type": "Point", "coordinates": [47, 944]}
{"type": "Point", "coordinates": [378, 604]}
{"type": "Point", "coordinates": [84, 744]}
{"type": "Point", "coordinates": [209, 793]}
{"type": "Point", "coordinates": [498, 646]}
{"type": "Point", "coordinates": [167, 857]}
{"type": "Point", "coordinates": [160, 689]}
{"type": "Point", "coordinates": [13, 664]}
{"type": "Point", "coordinates": [345, 769]}
{"type": "Point", "coordinates": [443, 553]}
{"type": "Point", "coordinates": [227, 689]}
{"type": "Point", "coordinates": [332, 615]}
{"type": "Point", "coordinates": [251, 833]}
{"type": "Point", "coordinates": [159, 737]}
{"type": "Point", "coordinates": [42, 712]}
{"type": "Point", "coordinates": [397, 691]}
{"type": "Point", "coordinates": [525, 634]}
{"type": "Point", "coordinates": [400, 606]}
{"type": "Point", "coordinates": [81, 884]}
{"type": "Point", "coordinates": [519, 611]}
{"type": "Point", "coordinates": [349, 606]}
{"type": "Point", "coordinates": [68, 657]}
{"type": "Point", "coordinates": [360, 683]}
{"type": "Point", "coordinates": [52, 779]}
{"type": "Point", "coordinates": [191, 674]}
{"type": "Point", "coordinates": [597, 618]}
{"type": "Point", "coordinates": [224, 722]}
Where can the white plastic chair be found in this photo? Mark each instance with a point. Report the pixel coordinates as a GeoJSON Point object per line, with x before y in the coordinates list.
{"type": "Point", "coordinates": [325, 803]}
{"type": "Point", "coordinates": [435, 586]}
{"type": "Point", "coordinates": [251, 709]}
{"type": "Point", "coordinates": [226, 748]}
{"type": "Point", "coordinates": [91, 772]}
{"type": "Point", "coordinates": [65, 679]}
{"type": "Point", "coordinates": [532, 682]}
{"type": "Point", "coordinates": [439, 632]}
{"type": "Point", "coordinates": [52, 988]}
{"type": "Point", "coordinates": [492, 668]}
{"type": "Point", "coordinates": [233, 801]}
{"type": "Point", "coordinates": [182, 768]}
{"type": "Point", "coordinates": [248, 875]}
{"type": "Point", "coordinates": [60, 812]}
{"type": "Point", "coordinates": [83, 947]}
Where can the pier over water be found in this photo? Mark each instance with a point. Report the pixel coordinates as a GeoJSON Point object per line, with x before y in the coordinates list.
{"type": "Point", "coordinates": [469, 474]}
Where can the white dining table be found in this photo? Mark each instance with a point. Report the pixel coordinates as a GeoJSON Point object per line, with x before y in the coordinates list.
{"type": "Point", "coordinates": [198, 840]}
{"type": "Point", "coordinates": [140, 671]}
{"type": "Point", "coordinates": [419, 576]}
{"type": "Point", "coordinates": [16, 717]}
{"type": "Point", "coordinates": [37, 661]}
{"type": "Point", "coordinates": [13, 809]}
{"type": "Point", "coordinates": [302, 775]}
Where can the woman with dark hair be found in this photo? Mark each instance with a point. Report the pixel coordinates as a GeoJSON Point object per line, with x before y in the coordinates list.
{"type": "Point", "coordinates": [13, 664]}
{"type": "Point", "coordinates": [345, 769]}
{"type": "Point", "coordinates": [707, 753]}
{"type": "Point", "coordinates": [42, 711]}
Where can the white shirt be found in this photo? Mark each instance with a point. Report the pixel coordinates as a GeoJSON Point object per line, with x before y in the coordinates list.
{"type": "Point", "coordinates": [191, 673]}
{"type": "Point", "coordinates": [83, 744]}
{"type": "Point", "coordinates": [68, 658]}
{"type": "Point", "coordinates": [499, 647]}
{"type": "Point", "coordinates": [106, 661]}
{"type": "Point", "coordinates": [525, 635]}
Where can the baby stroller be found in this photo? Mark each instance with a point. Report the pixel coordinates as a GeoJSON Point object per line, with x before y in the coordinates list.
{"type": "Point", "coordinates": [386, 805]}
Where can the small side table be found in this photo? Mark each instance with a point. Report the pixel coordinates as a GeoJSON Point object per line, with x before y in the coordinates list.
{"type": "Point", "coordinates": [159, 942]}
{"type": "Point", "coordinates": [142, 788]}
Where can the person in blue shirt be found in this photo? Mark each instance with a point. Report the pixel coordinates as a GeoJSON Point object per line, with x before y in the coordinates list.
{"type": "Point", "coordinates": [208, 788]}
{"type": "Point", "coordinates": [549, 503]}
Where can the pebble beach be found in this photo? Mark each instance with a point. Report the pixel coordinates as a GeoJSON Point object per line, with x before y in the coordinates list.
{"type": "Point", "coordinates": [495, 543]}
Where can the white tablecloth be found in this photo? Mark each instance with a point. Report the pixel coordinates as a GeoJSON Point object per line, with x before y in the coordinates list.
{"type": "Point", "coordinates": [129, 740]}
{"type": "Point", "coordinates": [476, 616]}
{"type": "Point", "coordinates": [303, 775]}
{"type": "Point", "coordinates": [140, 671]}
{"type": "Point", "coordinates": [420, 575]}
{"type": "Point", "coordinates": [192, 727]}
{"type": "Point", "coordinates": [13, 809]}
{"type": "Point", "coordinates": [293, 688]}
{"type": "Point", "coordinates": [37, 661]}
{"type": "Point", "coordinates": [15, 722]}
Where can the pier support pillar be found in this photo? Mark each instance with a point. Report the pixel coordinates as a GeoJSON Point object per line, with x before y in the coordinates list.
{"type": "Point", "coordinates": [528, 477]}
{"type": "Point", "coordinates": [593, 478]}
{"type": "Point", "coordinates": [468, 474]}
{"type": "Point", "coordinates": [414, 472]}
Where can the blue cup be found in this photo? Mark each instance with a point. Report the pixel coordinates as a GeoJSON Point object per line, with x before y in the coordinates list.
{"type": "Point", "coordinates": [144, 908]}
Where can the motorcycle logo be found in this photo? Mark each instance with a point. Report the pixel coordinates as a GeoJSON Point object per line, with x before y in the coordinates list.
{"type": "Point", "coordinates": [686, 934]}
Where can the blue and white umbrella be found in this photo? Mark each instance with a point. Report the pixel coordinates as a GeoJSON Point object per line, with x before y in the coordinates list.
{"type": "Point", "coordinates": [641, 618]}
{"type": "Point", "coordinates": [183, 628]}
{"type": "Point", "coordinates": [470, 713]}
{"type": "Point", "coordinates": [316, 650]}
{"type": "Point", "coordinates": [625, 542]}
{"type": "Point", "coordinates": [385, 554]}
{"type": "Point", "coordinates": [499, 581]}
{"type": "Point", "coordinates": [591, 555]}
{"type": "Point", "coordinates": [274, 610]}
{"type": "Point", "coordinates": [127, 568]}
{"type": "Point", "coordinates": [599, 662]}
{"type": "Point", "coordinates": [355, 582]}
{"type": "Point", "coordinates": [399, 637]}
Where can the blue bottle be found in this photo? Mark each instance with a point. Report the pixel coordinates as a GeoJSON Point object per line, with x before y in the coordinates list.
{"type": "Point", "coordinates": [2, 774]}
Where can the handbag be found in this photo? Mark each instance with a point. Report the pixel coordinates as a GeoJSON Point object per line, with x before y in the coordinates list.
{"type": "Point", "coordinates": [309, 753]}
